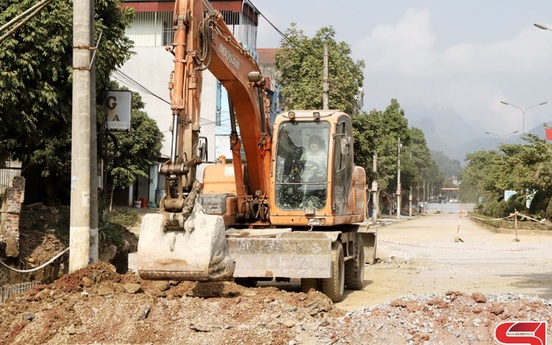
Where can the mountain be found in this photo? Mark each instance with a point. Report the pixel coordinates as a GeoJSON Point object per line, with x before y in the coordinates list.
{"type": "Point", "coordinates": [447, 132]}
{"type": "Point", "coordinates": [444, 130]}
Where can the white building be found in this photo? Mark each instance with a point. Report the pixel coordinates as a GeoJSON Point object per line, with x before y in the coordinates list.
{"type": "Point", "coordinates": [148, 71]}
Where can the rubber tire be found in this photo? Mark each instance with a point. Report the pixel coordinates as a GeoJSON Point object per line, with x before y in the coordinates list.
{"type": "Point", "coordinates": [334, 287]}
{"type": "Point", "coordinates": [354, 268]}
{"type": "Point", "coordinates": [309, 283]}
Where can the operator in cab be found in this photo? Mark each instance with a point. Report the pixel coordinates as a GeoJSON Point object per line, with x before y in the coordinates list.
{"type": "Point", "coordinates": [315, 159]}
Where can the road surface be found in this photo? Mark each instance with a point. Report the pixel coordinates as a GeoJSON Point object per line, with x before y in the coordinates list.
{"type": "Point", "coordinates": [420, 255]}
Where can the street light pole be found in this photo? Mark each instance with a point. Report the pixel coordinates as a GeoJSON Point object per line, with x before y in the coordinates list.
{"type": "Point", "coordinates": [523, 111]}
{"type": "Point", "coordinates": [542, 27]}
{"type": "Point", "coordinates": [501, 137]}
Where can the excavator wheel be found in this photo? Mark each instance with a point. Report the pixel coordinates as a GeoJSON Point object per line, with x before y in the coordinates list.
{"type": "Point", "coordinates": [334, 287]}
{"type": "Point", "coordinates": [354, 269]}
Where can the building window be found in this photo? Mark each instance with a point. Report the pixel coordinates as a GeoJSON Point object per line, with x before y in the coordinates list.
{"type": "Point", "coordinates": [151, 29]}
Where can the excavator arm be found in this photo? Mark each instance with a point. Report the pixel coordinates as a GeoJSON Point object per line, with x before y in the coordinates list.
{"type": "Point", "coordinates": [182, 242]}
{"type": "Point", "coordinates": [236, 69]}
{"type": "Point", "coordinates": [203, 41]}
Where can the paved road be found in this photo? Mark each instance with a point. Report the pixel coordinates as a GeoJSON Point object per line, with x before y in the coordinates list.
{"type": "Point", "coordinates": [420, 256]}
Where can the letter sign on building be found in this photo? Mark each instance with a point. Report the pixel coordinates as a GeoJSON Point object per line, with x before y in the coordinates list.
{"type": "Point", "coordinates": [118, 104]}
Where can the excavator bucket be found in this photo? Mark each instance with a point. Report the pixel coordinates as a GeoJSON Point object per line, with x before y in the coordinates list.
{"type": "Point", "coordinates": [197, 252]}
{"type": "Point", "coordinates": [299, 254]}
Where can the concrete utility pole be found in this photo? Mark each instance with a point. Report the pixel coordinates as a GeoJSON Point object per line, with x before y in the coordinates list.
{"type": "Point", "coordinates": [410, 195]}
{"type": "Point", "coordinates": [399, 179]}
{"type": "Point", "coordinates": [375, 202]}
{"type": "Point", "coordinates": [326, 86]}
{"type": "Point", "coordinates": [94, 254]}
{"type": "Point", "coordinates": [81, 136]}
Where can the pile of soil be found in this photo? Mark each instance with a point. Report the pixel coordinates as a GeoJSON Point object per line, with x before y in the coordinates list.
{"type": "Point", "coordinates": [44, 233]}
{"type": "Point", "coordinates": [98, 305]}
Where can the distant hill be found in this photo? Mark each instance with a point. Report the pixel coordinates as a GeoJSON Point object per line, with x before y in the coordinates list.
{"type": "Point", "coordinates": [445, 131]}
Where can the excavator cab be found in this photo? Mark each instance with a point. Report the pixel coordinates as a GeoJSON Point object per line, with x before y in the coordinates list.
{"type": "Point", "coordinates": [315, 180]}
{"type": "Point", "coordinates": [302, 165]}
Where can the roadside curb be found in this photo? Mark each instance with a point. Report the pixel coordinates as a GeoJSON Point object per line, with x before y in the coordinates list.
{"type": "Point", "coordinates": [383, 222]}
{"type": "Point", "coordinates": [491, 228]}
{"type": "Point", "coordinates": [520, 231]}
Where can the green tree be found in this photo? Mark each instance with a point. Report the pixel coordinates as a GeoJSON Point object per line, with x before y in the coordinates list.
{"type": "Point", "coordinates": [35, 80]}
{"type": "Point", "coordinates": [474, 176]}
{"type": "Point", "coordinates": [527, 166]}
{"type": "Point", "coordinates": [395, 127]}
{"type": "Point", "coordinates": [300, 61]}
{"type": "Point", "coordinates": [524, 168]}
{"type": "Point", "coordinates": [129, 154]}
{"type": "Point", "coordinates": [420, 169]}
{"type": "Point", "coordinates": [377, 133]}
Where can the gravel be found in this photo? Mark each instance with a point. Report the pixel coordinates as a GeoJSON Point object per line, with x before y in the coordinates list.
{"type": "Point", "coordinates": [97, 305]}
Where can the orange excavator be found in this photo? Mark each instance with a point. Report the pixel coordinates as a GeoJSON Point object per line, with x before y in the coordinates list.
{"type": "Point", "coordinates": [290, 202]}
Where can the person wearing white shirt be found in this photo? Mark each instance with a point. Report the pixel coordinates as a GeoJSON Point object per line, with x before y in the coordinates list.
{"type": "Point", "coordinates": [316, 161]}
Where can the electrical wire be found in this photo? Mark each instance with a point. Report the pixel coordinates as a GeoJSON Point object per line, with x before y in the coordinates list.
{"type": "Point", "coordinates": [129, 81]}
{"type": "Point", "coordinates": [270, 23]}
{"type": "Point", "coordinates": [23, 18]}
{"type": "Point", "coordinates": [36, 268]}
{"type": "Point", "coordinates": [132, 83]}
{"type": "Point", "coordinates": [355, 105]}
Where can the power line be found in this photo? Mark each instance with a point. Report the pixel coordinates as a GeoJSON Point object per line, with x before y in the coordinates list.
{"type": "Point", "coordinates": [22, 18]}
{"type": "Point", "coordinates": [133, 83]}
{"type": "Point", "coordinates": [268, 21]}
{"type": "Point", "coordinates": [129, 81]}
{"type": "Point", "coordinates": [354, 104]}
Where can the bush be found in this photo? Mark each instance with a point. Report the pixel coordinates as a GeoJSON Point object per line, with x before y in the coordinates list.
{"type": "Point", "coordinates": [540, 202]}
{"type": "Point", "coordinates": [496, 209]}
{"type": "Point", "coordinates": [126, 217]}
{"type": "Point", "coordinates": [514, 203]}
{"type": "Point", "coordinates": [117, 222]}
{"type": "Point", "coordinates": [541, 206]}
{"type": "Point", "coordinates": [500, 210]}
{"type": "Point", "coordinates": [111, 233]}
{"type": "Point", "coordinates": [548, 213]}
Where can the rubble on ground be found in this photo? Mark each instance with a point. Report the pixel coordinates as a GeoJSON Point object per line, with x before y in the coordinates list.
{"type": "Point", "coordinates": [98, 305]}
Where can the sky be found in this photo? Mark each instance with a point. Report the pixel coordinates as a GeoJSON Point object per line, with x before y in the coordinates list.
{"type": "Point", "coordinates": [461, 55]}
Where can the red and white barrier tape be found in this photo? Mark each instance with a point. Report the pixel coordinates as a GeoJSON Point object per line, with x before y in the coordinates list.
{"type": "Point", "coordinates": [419, 245]}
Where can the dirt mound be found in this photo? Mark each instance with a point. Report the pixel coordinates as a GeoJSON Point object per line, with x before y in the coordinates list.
{"type": "Point", "coordinates": [98, 305]}
{"type": "Point", "coordinates": [44, 233]}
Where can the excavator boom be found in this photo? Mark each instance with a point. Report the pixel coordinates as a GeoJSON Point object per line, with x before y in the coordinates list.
{"type": "Point", "coordinates": [196, 242]}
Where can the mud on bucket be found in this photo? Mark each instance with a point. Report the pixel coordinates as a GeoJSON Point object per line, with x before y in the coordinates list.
{"type": "Point", "coordinates": [197, 252]}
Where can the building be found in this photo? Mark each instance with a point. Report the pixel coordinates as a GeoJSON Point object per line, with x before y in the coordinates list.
{"type": "Point", "coordinates": [267, 63]}
{"type": "Point", "coordinates": [148, 71]}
